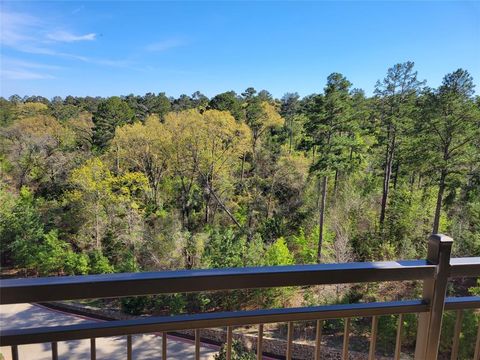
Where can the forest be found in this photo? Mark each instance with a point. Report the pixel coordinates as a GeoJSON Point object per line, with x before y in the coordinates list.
{"type": "Point", "coordinates": [131, 183]}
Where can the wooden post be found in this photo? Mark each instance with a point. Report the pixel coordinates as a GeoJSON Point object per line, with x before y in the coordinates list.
{"type": "Point", "coordinates": [318, 339]}
{"type": "Point", "coordinates": [229, 343]}
{"type": "Point", "coordinates": [430, 323]}
{"type": "Point", "coordinates": [260, 342]}
{"type": "Point", "coordinates": [93, 349]}
{"type": "Point", "coordinates": [373, 338]}
{"type": "Point", "coordinates": [289, 341]}
{"type": "Point", "coordinates": [197, 344]}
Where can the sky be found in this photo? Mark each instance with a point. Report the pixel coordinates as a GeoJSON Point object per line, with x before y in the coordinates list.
{"type": "Point", "coordinates": [106, 48]}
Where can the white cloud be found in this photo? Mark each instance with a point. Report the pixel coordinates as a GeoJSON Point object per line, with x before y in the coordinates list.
{"type": "Point", "coordinates": [23, 75]}
{"type": "Point", "coordinates": [16, 63]}
{"type": "Point", "coordinates": [28, 34]}
{"type": "Point", "coordinates": [15, 69]}
{"type": "Point", "coordinates": [165, 44]}
{"type": "Point", "coordinates": [64, 36]}
{"type": "Point", "coordinates": [78, 9]}
{"type": "Point", "coordinates": [16, 27]}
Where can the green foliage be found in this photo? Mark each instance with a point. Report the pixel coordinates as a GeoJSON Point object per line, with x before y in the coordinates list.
{"type": "Point", "coordinates": [224, 249]}
{"type": "Point", "coordinates": [50, 254]}
{"type": "Point", "coordinates": [99, 264]}
{"type": "Point", "coordinates": [110, 114]}
{"type": "Point", "coordinates": [468, 333]}
{"type": "Point", "coordinates": [239, 352]}
{"type": "Point", "coordinates": [387, 330]}
{"type": "Point", "coordinates": [134, 305]}
{"type": "Point", "coordinates": [31, 246]}
{"type": "Point", "coordinates": [137, 183]}
{"type": "Point", "coordinates": [278, 254]}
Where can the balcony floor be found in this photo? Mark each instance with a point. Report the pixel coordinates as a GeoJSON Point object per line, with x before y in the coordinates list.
{"type": "Point", "coordinates": [144, 346]}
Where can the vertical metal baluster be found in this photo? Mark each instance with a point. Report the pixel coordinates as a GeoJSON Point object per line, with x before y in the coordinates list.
{"type": "Point", "coordinates": [260, 342]}
{"type": "Point", "coordinates": [54, 350]}
{"type": "Point", "coordinates": [373, 338]}
{"type": "Point", "coordinates": [164, 346]}
{"type": "Point", "coordinates": [398, 343]}
{"type": "Point", "coordinates": [93, 349]}
{"type": "Point", "coordinates": [456, 335]}
{"type": "Point", "coordinates": [318, 339]}
{"type": "Point", "coordinates": [229, 343]}
{"type": "Point", "coordinates": [14, 352]}
{"type": "Point", "coordinates": [346, 339]}
{"type": "Point", "coordinates": [477, 345]}
{"type": "Point", "coordinates": [129, 347]}
{"type": "Point", "coordinates": [197, 344]}
{"type": "Point", "coordinates": [289, 340]}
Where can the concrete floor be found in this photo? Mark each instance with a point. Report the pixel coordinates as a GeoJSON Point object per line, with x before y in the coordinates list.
{"type": "Point", "coordinates": [144, 346]}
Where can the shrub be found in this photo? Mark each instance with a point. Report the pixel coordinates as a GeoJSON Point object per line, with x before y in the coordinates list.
{"type": "Point", "coordinates": [238, 352]}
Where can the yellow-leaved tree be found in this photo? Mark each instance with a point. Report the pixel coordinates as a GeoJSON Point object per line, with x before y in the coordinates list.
{"type": "Point", "coordinates": [207, 149]}
{"type": "Point", "coordinates": [145, 148]}
{"type": "Point", "coordinates": [106, 206]}
{"type": "Point", "coordinates": [199, 152]}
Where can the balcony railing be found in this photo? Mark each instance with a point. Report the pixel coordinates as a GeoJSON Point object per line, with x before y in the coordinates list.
{"type": "Point", "coordinates": [434, 272]}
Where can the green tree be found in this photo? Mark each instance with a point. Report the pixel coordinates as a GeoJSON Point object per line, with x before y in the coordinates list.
{"type": "Point", "coordinates": [396, 96]}
{"type": "Point", "coordinates": [451, 128]}
{"type": "Point", "coordinates": [290, 105]}
{"type": "Point", "coordinates": [332, 130]}
{"type": "Point", "coordinates": [228, 101]}
{"type": "Point", "coordinates": [106, 208]}
{"type": "Point", "coordinates": [110, 114]}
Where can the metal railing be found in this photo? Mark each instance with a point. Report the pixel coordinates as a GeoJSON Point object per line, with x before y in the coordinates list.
{"type": "Point", "coordinates": [434, 272]}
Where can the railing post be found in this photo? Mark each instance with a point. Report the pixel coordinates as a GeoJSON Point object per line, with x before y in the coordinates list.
{"type": "Point", "coordinates": [430, 323]}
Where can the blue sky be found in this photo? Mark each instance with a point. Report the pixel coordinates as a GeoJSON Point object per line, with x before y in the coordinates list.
{"type": "Point", "coordinates": [117, 48]}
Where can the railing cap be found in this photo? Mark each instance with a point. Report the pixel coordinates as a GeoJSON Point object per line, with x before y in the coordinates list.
{"type": "Point", "coordinates": [441, 238]}
{"type": "Point", "coordinates": [439, 246]}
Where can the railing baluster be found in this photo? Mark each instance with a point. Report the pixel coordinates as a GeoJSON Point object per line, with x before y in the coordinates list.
{"type": "Point", "coordinates": [289, 340]}
{"type": "Point", "coordinates": [346, 339]}
{"type": "Point", "coordinates": [54, 350]}
{"type": "Point", "coordinates": [197, 344]}
{"type": "Point", "coordinates": [398, 343]}
{"type": "Point", "coordinates": [318, 339]}
{"type": "Point", "coordinates": [93, 349]}
{"type": "Point", "coordinates": [260, 342]}
{"type": "Point", "coordinates": [129, 347]}
{"type": "Point", "coordinates": [456, 334]}
{"type": "Point", "coordinates": [164, 346]}
{"type": "Point", "coordinates": [14, 352]}
{"type": "Point", "coordinates": [373, 338]}
{"type": "Point", "coordinates": [477, 345]}
{"type": "Point", "coordinates": [229, 343]}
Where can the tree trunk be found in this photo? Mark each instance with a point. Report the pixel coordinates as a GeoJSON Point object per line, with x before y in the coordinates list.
{"type": "Point", "coordinates": [386, 179]}
{"type": "Point", "coordinates": [335, 184]}
{"type": "Point", "coordinates": [222, 205]}
{"type": "Point", "coordinates": [243, 168]}
{"type": "Point", "coordinates": [395, 177]}
{"type": "Point", "coordinates": [207, 209]}
{"type": "Point", "coordinates": [290, 135]}
{"type": "Point", "coordinates": [97, 227]}
{"type": "Point", "coordinates": [322, 219]}
{"type": "Point", "coordinates": [438, 209]}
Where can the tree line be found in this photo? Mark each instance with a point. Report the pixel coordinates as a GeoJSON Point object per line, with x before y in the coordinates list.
{"type": "Point", "coordinates": [129, 183]}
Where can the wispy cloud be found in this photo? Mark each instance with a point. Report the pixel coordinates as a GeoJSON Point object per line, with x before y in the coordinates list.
{"type": "Point", "coordinates": [23, 75]}
{"type": "Point", "coordinates": [166, 44]}
{"type": "Point", "coordinates": [65, 36]}
{"type": "Point", "coordinates": [28, 34]}
{"type": "Point", "coordinates": [15, 28]}
{"type": "Point", "coordinates": [15, 69]}
{"type": "Point", "coordinates": [12, 62]}
{"type": "Point", "coordinates": [78, 9]}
